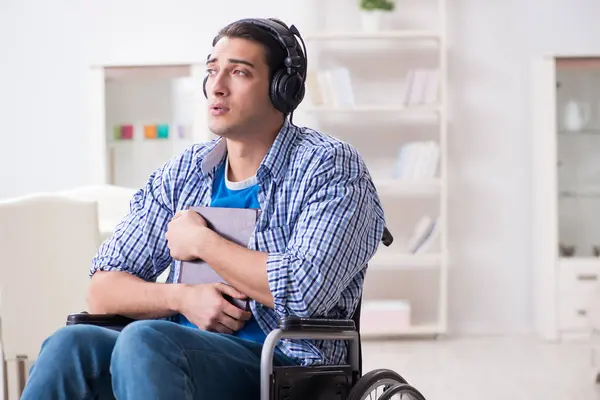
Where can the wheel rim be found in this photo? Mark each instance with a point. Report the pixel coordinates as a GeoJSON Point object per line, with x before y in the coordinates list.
{"type": "Point", "coordinates": [401, 391]}
{"type": "Point", "coordinates": [378, 388]}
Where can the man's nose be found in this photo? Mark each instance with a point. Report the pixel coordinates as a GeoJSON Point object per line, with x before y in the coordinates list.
{"type": "Point", "coordinates": [219, 86]}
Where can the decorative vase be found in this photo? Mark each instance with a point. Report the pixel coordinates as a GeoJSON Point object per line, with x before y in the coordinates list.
{"type": "Point", "coordinates": [566, 250]}
{"type": "Point", "coordinates": [576, 115]}
{"type": "Point", "coordinates": [371, 20]}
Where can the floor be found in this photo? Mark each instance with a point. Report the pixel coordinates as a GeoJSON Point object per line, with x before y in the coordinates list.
{"type": "Point", "coordinates": [488, 368]}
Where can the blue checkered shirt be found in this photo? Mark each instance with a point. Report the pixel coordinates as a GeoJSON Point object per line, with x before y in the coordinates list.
{"type": "Point", "coordinates": [321, 222]}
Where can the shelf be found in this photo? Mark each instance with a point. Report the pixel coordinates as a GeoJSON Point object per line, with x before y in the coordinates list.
{"type": "Point", "coordinates": [396, 187]}
{"type": "Point", "coordinates": [372, 332]}
{"type": "Point", "coordinates": [579, 261]}
{"type": "Point", "coordinates": [426, 108]}
{"type": "Point", "coordinates": [401, 34]}
{"type": "Point", "coordinates": [591, 132]}
{"type": "Point", "coordinates": [579, 194]}
{"type": "Point", "coordinates": [388, 261]}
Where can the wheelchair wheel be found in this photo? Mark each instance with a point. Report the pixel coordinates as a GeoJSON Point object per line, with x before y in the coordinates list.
{"type": "Point", "coordinates": [401, 391]}
{"type": "Point", "coordinates": [383, 384]}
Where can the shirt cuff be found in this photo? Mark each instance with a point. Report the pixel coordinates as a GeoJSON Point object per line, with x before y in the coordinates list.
{"type": "Point", "coordinates": [110, 264]}
{"type": "Point", "coordinates": [280, 279]}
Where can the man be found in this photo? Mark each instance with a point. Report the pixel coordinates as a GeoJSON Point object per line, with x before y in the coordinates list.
{"type": "Point", "coordinates": [320, 224]}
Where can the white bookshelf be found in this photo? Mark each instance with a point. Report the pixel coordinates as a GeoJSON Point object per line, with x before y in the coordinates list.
{"type": "Point", "coordinates": [396, 276]}
{"type": "Point", "coordinates": [161, 97]}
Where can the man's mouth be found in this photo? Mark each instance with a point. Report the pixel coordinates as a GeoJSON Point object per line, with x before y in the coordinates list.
{"type": "Point", "coordinates": [218, 109]}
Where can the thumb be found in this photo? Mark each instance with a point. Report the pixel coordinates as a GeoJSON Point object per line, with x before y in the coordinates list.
{"type": "Point", "coordinates": [230, 290]}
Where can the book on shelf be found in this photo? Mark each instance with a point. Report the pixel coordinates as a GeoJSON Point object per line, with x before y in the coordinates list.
{"type": "Point", "coordinates": [421, 86]}
{"type": "Point", "coordinates": [425, 233]}
{"type": "Point", "coordinates": [330, 87]}
{"type": "Point", "coordinates": [417, 160]}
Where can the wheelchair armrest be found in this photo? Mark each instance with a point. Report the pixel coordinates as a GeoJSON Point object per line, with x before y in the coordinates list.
{"type": "Point", "coordinates": [111, 321]}
{"type": "Point", "coordinates": [308, 325]}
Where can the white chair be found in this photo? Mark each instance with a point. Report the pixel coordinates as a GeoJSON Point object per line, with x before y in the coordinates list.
{"type": "Point", "coordinates": [47, 243]}
{"type": "Point", "coordinates": [113, 203]}
{"type": "Point", "coordinates": [113, 206]}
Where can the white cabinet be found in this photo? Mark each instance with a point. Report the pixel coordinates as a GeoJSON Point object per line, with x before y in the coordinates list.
{"type": "Point", "coordinates": [141, 116]}
{"type": "Point", "coordinates": [566, 193]}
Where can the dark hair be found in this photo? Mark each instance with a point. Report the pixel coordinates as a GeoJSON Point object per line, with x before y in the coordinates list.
{"type": "Point", "coordinates": [245, 30]}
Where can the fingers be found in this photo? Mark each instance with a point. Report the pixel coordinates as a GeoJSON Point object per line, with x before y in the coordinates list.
{"type": "Point", "coordinates": [219, 327]}
{"type": "Point", "coordinates": [231, 323]}
{"type": "Point", "coordinates": [230, 290]}
{"type": "Point", "coordinates": [177, 214]}
{"type": "Point", "coordinates": [235, 312]}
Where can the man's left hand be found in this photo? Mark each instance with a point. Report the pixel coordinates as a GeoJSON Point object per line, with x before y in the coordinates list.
{"type": "Point", "coordinates": [184, 234]}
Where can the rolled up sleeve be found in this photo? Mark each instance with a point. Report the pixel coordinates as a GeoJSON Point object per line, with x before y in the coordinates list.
{"type": "Point", "coordinates": [138, 245]}
{"type": "Point", "coordinates": [337, 231]}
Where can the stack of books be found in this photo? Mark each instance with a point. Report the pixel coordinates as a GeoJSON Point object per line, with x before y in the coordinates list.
{"type": "Point", "coordinates": [330, 87]}
{"type": "Point", "coordinates": [421, 86]}
{"type": "Point", "coordinates": [417, 161]}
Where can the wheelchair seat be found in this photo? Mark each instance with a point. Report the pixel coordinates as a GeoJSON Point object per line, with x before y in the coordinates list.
{"type": "Point", "coordinates": [316, 382]}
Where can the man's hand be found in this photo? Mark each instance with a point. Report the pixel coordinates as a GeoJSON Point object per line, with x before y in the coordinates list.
{"type": "Point", "coordinates": [183, 235]}
{"type": "Point", "coordinates": [205, 307]}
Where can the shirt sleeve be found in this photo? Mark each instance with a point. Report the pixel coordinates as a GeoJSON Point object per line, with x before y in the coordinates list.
{"type": "Point", "coordinates": [338, 230]}
{"type": "Point", "coordinates": [138, 245]}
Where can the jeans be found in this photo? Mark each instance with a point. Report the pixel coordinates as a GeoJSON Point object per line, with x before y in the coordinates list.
{"type": "Point", "coordinates": [151, 359]}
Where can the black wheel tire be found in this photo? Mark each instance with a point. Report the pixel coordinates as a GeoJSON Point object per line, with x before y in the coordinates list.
{"type": "Point", "coordinates": [365, 383]}
{"type": "Point", "coordinates": [402, 388]}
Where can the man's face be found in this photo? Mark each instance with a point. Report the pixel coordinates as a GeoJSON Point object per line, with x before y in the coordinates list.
{"type": "Point", "coordinates": [238, 88]}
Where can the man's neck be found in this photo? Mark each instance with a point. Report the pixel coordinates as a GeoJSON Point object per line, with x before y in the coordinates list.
{"type": "Point", "coordinates": [246, 154]}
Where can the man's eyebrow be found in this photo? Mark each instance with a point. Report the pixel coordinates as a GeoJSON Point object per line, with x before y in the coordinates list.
{"type": "Point", "coordinates": [233, 61]}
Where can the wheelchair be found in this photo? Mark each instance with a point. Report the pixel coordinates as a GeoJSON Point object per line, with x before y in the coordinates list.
{"type": "Point", "coordinates": [318, 382]}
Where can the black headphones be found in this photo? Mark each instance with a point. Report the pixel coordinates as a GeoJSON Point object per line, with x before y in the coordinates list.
{"type": "Point", "coordinates": [288, 84]}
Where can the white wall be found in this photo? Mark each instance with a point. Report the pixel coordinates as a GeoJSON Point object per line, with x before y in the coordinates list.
{"type": "Point", "coordinates": [492, 45]}
{"type": "Point", "coordinates": [47, 46]}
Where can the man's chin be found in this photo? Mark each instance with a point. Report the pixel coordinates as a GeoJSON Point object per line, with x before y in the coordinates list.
{"type": "Point", "coordinates": [220, 129]}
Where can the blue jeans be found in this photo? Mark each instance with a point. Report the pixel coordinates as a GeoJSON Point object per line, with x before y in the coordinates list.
{"type": "Point", "coordinates": [152, 359]}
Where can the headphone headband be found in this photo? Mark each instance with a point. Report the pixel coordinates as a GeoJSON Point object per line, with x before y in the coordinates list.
{"type": "Point", "coordinates": [284, 37]}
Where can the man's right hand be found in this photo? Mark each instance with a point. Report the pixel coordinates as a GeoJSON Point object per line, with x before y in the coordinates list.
{"type": "Point", "coordinates": [205, 307]}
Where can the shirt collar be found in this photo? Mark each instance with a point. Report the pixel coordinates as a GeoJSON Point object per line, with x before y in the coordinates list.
{"type": "Point", "coordinates": [275, 161]}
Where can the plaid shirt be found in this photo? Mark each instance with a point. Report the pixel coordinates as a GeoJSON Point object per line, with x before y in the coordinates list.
{"type": "Point", "coordinates": [321, 222]}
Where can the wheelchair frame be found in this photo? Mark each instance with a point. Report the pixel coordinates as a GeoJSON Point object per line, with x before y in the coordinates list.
{"type": "Point", "coordinates": [308, 328]}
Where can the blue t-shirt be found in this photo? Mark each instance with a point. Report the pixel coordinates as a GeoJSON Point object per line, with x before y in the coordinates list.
{"type": "Point", "coordinates": [242, 194]}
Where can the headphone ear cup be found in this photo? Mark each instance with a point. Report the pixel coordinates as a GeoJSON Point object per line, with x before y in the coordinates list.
{"type": "Point", "coordinates": [291, 87]}
{"type": "Point", "coordinates": [287, 91]}
{"type": "Point", "coordinates": [300, 92]}
{"type": "Point", "coordinates": [277, 92]}
{"type": "Point", "coordinates": [204, 86]}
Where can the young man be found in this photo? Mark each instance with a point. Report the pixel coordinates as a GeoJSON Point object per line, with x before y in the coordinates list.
{"type": "Point", "coordinates": [320, 224]}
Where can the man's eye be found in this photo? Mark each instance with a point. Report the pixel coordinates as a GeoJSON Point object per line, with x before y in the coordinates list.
{"type": "Point", "coordinates": [210, 71]}
{"type": "Point", "coordinates": [239, 72]}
